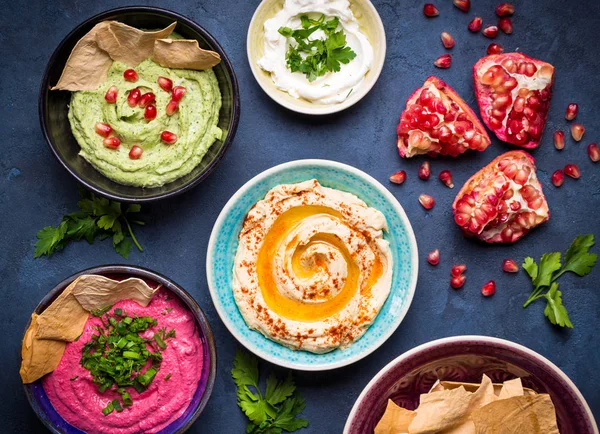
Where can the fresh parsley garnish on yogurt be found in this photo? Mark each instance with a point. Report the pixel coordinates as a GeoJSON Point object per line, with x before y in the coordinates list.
{"type": "Point", "coordinates": [314, 57]}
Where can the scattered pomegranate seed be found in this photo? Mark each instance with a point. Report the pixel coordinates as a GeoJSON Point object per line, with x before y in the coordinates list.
{"type": "Point", "coordinates": [134, 97]}
{"type": "Point", "coordinates": [427, 201]}
{"type": "Point", "coordinates": [505, 25]}
{"type": "Point", "coordinates": [489, 288]}
{"type": "Point", "coordinates": [558, 177]}
{"type": "Point", "coordinates": [573, 171]}
{"type": "Point", "coordinates": [447, 40]}
{"type": "Point", "coordinates": [150, 112]}
{"type": "Point", "coordinates": [398, 177]}
{"type": "Point", "coordinates": [504, 9]}
{"type": "Point", "coordinates": [130, 75]}
{"type": "Point", "coordinates": [559, 140]}
{"type": "Point", "coordinates": [178, 92]}
{"type": "Point", "coordinates": [434, 257]}
{"type": "Point", "coordinates": [490, 32]}
{"type": "Point", "coordinates": [446, 178]}
{"type": "Point", "coordinates": [577, 131]}
{"type": "Point", "coordinates": [172, 107]}
{"type": "Point", "coordinates": [103, 129]}
{"type": "Point", "coordinates": [425, 171]}
{"type": "Point", "coordinates": [135, 152]}
{"type": "Point", "coordinates": [593, 152]}
{"type": "Point", "coordinates": [457, 281]}
{"type": "Point", "coordinates": [168, 137]}
{"type": "Point", "coordinates": [444, 61]}
{"type": "Point", "coordinates": [111, 95]}
{"type": "Point", "coordinates": [475, 24]}
{"type": "Point", "coordinates": [572, 110]}
{"type": "Point", "coordinates": [510, 266]}
{"type": "Point", "coordinates": [495, 49]}
{"type": "Point", "coordinates": [112, 142]}
{"type": "Point", "coordinates": [458, 269]}
{"type": "Point", "coordinates": [463, 5]}
{"type": "Point", "coordinates": [147, 98]}
{"type": "Point", "coordinates": [430, 10]}
{"type": "Point", "coordinates": [165, 84]}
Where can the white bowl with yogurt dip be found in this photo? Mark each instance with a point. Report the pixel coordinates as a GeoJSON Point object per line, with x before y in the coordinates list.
{"type": "Point", "coordinates": [333, 91]}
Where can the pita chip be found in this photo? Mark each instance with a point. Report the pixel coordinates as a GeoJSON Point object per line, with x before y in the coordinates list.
{"type": "Point", "coordinates": [511, 388]}
{"type": "Point", "coordinates": [40, 356]}
{"type": "Point", "coordinates": [395, 420]}
{"type": "Point", "coordinates": [472, 387]}
{"type": "Point", "coordinates": [183, 54]}
{"type": "Point", "coordinates": [93, 292]}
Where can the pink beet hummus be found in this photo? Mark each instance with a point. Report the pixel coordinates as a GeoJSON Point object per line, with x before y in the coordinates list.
{"type": "Point", "coordinates": [79, 402]}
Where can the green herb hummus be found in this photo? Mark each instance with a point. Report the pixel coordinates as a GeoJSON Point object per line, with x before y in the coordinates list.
{"type": "Point", "coordinates": [195, 124]}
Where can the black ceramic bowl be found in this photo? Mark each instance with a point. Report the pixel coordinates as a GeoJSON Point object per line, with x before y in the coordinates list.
{"type": "Point", "coordinates": [36, 394]}
{"type": "Point", "coordinates": [53, 107]}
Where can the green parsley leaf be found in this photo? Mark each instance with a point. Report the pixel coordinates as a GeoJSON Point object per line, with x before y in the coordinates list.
{"type": "Point", "coordinates": [278, 391]}
{"type": "Point", "coordinates": [286, 416]}
{"type": "Point", "coordinates": [245, 369]}
{"type": "Point", "coordinates": [530, 267]}
{"type": "Point", "coordinates": [49, 239]}
{"type": "Point", "coordinates": [555, 311]}
{"type": "Point", "coordinates": [124, 247]}
{"type": "Point", "coordinates": [578, 260]}
{"type": "Point", "coordinates": [549, 263]}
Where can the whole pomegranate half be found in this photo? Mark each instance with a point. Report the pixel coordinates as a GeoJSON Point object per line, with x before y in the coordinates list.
{"type": "Point", "coordinates": [438, 121]}
{"type": "Point", "coordinates": [503, 201]}
{"type": "Point", "coordinates": [513, 92]}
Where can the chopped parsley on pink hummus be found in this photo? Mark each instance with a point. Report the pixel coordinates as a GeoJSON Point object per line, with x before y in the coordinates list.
{"type": "Point", "coordinates": [77, 399]}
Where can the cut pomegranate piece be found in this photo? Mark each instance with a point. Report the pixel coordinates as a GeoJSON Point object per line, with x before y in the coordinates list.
{"type": "Point", "coordinates": [558, 177]}
{"type": "Point", "coordinates": [577, 131]}
{"type": "Point", "coordinates": [444, 61]}
{"type": "Point", "coordinates": [178, 92]}
{"type": "Point", "coordinates": [510, 266]}
{"type": "Point", "coordinates": [593, 152]}
{"type": "Point", "coordinates": [430, 10]}
{"type": "Point", "coordinates": [463, 5]}
{"type": "Point", "coordinates": [398, 177]}
{"type": "Point", "coordinates": [130, 75]}
{"type": "Point", "coordinates": [111, 95]}
{"type": "Point", "coordinates": [425, 171]}
{"type": "Point", "coordinates": [504, 9]}
{"type": "Point", "coordinates": [446, 178]}
{"type": "Point", "coordinates": [437, 121]}
{"type": "Point", "coordinates": [434, 257]}
{"type": "Point", "coordinates": [505, 25]}
{"type": "Point", "coordinates": [168, 137]}
{"type": "Point", "coordinates": [134, 97]}
{"type": "Point", "coordinates": [513, 92]}
{"type": "Point", "coordinates": [503, 201]}
{"type": "Point", "coordinates": [112, 142]}
{"type": "Point", "coordinates": [573, 171]}
{"type": "Point", "coordinates": [165, 84]}
{"type": "Point", "coordinates": [559, 140]}
{"type": "Point", "coordinates": [447, 40]}
{"type": "Point", "coordinates": [150, 112]}
{"type": "Point", "coordinates": [457, 270]}
{"type": "Point", "coordinates": [571, 112]}
{"type": "Point", "coordinates": [490, 32]}
{"type": "Point", "coordinates": [475, 24]}
{"type": "Point", "coordinates": [427, 201]}
{"type": "Point", "coordinates": [489, 288]}
{"type": "Point", "coordinates": [135, 152]}
{"type": "Point", "coordinates": [172, 107]}
{"type": "Point", "coordinates": [458, 281]}
{"type": "Point", "coordinates": [103, 129]}
{"type": "Point", "coordinates": [495, 49]}
{"type": "Point", "coordinates": [146, 99]}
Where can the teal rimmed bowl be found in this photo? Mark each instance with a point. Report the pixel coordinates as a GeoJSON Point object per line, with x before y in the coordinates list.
{"type": "Point", "coordinates": [224, 242]}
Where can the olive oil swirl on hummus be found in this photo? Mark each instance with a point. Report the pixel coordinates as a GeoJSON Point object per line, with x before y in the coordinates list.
{"type": "Point", "coordinates": [312, 269]}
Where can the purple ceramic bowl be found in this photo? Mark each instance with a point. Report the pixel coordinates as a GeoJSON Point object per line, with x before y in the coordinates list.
{"type": "Point", "coordinates": [466, 359]}
{"type": "Point", "coordinates": [36, 395]}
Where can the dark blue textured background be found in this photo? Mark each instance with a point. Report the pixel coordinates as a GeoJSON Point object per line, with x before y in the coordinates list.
{"type": "Point", "coordinates": [35, 191]}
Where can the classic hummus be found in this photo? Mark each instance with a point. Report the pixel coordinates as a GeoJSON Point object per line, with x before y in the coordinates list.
{"type": "Point", "coordinates": [194, 124]}
{"type": "Point", "coordinates": [312, 269]}
{"type": "Point", "coordinates": [72, 393]}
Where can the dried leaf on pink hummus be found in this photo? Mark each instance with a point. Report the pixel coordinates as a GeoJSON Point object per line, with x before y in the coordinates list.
{"type": "Point", "coordinates": [40, 356]}
{"type": "Point", "coordinates": [97, 292]}
{"type": "Point", "coordinates": [183, 54]}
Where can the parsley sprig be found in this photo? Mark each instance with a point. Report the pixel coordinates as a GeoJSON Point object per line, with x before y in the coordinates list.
{"type": "Point", "coordinates": [274, 412]}
{"type": "Point", "coordinates": [316, 57]}
{"type": "Point", "coordinates": [97, 218]}
{"type": "Point", "coordinates": [578, 260]}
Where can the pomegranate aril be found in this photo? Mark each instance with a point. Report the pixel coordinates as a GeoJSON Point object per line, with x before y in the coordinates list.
{"type": "Point", "coordinates": [504, 9]}
{"type": "Point", "coordinates": [112, 142]}
{"type": "Point", "coordinates": [558, 177]}
{"type": "Point", "coordinates": [134, 97]}
{"type": "Point", "coordinates": [150, 112]}
{"type": "Point", "coordinates": [135, 152]}
{"type": "Point", "coordinates": [573, 171]}
{"type": "Point", "coordinates": [168, 137]}
{"type": "Point", "coordinates": [178, 92]}
{"type": "Point", "coordinates": [426, 201]}
{"type": "Point", "coordinates": [103, 129]}
{"type": "Point", "coordinates": [463, 5]}
{"type": "Point", "coordinates": [111, 95]}
{"type": "Point", "coordinates": [457, 270]}
{"type": "Point", "coordinates": [457, 281]}
{"type": "Point", "coordinates": [495, 49]}
{"type": "Point", "coordinates": [510, 266]}
{"type": "Point", "coordinates": [398, 177]}
{"type": "Point", "coordinates": [430, 10]}
{"type": "Point", "coordinates": [571, 112]}
{"type": "Point", "coordinates": [489, 288]}
{"type": "Point", "coordinates": [447, 40]}
{"type": "Point", "coordinates": [172, 107]}
{"type": "Point", "coordinates": [446, 178]}
{"type": "Point", "coordinates": [490, 32]}
{"type": "Point", "coordinates": [434, 257]}
{"type": "Point", "coordinates": [559, 140]}
{"type": "Point", "coordinates": [424, 171]}
{"type": "Point", "coordinates": [505, 24]}
{"type": "Point", "coordinates": [475, 24]}
{"type": "Point", "coordinates": [577, 131]}
{"type": "Point", "coordinates": [147, 98]}
{"type": "Point", "coordinates": [130, 75]}
{"type": "Point", "coordinates": [165, 84]}
{"type": "Point", "coordinates": [444, 61]}
{"type": "Point", "coordinates": [593, 152]}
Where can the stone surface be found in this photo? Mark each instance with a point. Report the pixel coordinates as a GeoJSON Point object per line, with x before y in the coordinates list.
{"type": "Point", "coordinates": [35, 192]}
